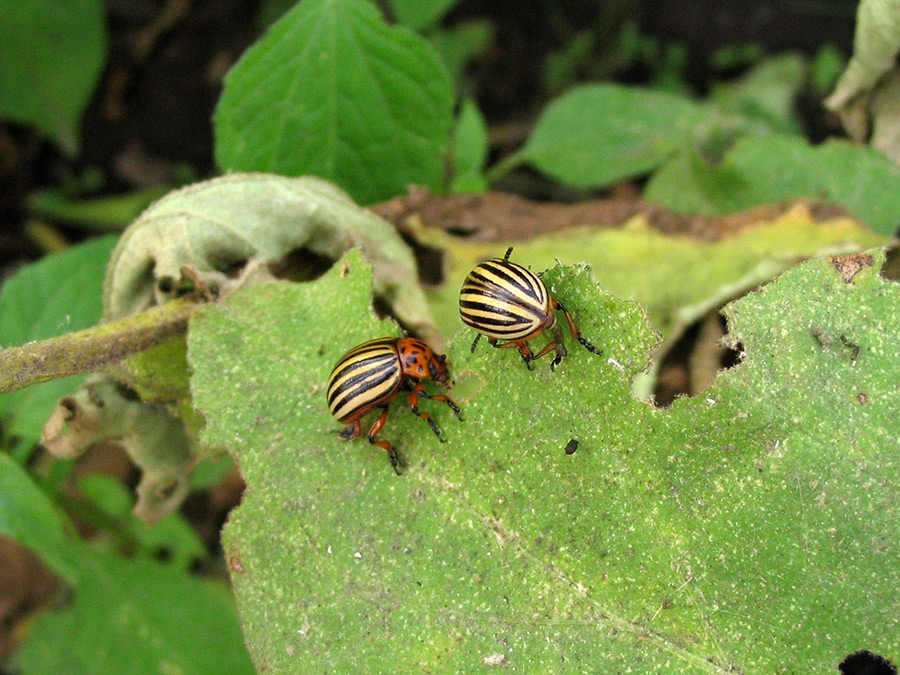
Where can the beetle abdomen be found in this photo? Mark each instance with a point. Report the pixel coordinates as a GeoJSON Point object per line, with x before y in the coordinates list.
{"type": "Point", "coordinates": [365, 377]}
{"type": "Point", "coordinates": [504, 300]}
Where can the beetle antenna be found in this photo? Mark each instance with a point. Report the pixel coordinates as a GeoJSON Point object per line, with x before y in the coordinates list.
{"type": "Point", "coordinates": [508, 253]}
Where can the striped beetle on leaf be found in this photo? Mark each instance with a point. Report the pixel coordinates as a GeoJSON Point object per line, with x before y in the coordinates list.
{"type": "Point", "coordinates": [505, 301]}
{"type": "Point", "coordinates": [372, 374]}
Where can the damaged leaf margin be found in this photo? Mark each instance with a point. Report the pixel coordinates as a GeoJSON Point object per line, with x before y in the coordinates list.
{"type": "Point", "coordinates": [668, 539]}
{"type": "Point", "coordinates": [230, 231]}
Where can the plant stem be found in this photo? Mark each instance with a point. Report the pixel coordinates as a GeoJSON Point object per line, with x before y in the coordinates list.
{"type": "Point", "coordinates": [503, 167]}
{"type": "Point", "coordinates": [94, 348]}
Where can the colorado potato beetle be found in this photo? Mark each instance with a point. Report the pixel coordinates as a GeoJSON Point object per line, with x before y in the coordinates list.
{"type": "Point", "coordinates": [505, 301]}
{"type": "Point", "coordinates": [370, 375]}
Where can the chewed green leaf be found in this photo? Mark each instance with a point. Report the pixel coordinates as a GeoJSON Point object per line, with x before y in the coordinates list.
{"type": "Point", "coordinates": [709, 273]}
{"type": "Point", "coordinates": [235, 230]}
{"type": "Point", "coordinates": [51, 55]}
{"type": "Point", "coordinates": [333, 91]}
{"type": "Point", "coordinates": [752, 529]}
{"type": "Point", "coordinates": [596, 135]}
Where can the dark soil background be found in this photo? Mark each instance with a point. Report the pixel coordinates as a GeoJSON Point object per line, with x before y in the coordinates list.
{"type": "Point", "coordinates": [149, 121]}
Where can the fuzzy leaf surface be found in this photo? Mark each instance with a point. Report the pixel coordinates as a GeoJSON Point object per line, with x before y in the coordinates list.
{"type": "Point", "coordinates": [865, 97]}
{"type": "Point", "coordinates": [753, 529]}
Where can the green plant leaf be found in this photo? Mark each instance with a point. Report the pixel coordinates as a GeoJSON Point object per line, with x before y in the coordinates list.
{"type": "Point", "coordinates": [172, 537]}
{"type": "Point", "coordinates": [333, 91]}
{"type": "Point", "coordinates": [776, 168]}
{"type": "Point", "coordinates": [419, 14]}
{"type": "Point", "coordinates": [58, 294]}
{"type": "Point", "coordinates": [28, 516]}
{"type": "Point", "coordinates": [752, 529]}
{"type": "Point", "coordinates": [51, 55]}
{"type": "Point", "coordinates": [564, 66]}
{"type": "Point", "coordinates": [236, 230]}
{"type": "Point", "coordinates": [155, 440]}
{"type": "Point", "coordinates": [765, 95]}
{"type": "Point", "coordinates": [134, 616]}
{"type": "Point", "coordinates": [100, 213]}
{"type": "Point", "coordinates": [597, 135]}
{"type": "Point", "coordinates": [825, 69]}
{"type": "Point", "coordinates": [458, 44]}
{"type": "Point", "coordinates": [470, 149]}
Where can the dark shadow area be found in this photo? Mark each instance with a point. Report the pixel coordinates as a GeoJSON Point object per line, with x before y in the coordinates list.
{"type": "Point", "coordinates": [693, 363]}
{"type": "Point", "coordinates": [865, 662]}
{"type": "Point", "coordinates": [891, 268]}
{"type": "Point", "coordinates": [301, 265]}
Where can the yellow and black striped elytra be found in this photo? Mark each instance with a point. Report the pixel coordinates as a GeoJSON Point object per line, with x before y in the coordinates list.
{"type": "Point", "coordinates": [505, 301]}
{"type": "Point", "coordinates": [370, 375]}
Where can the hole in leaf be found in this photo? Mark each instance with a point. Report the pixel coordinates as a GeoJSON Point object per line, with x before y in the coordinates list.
{"type": "Point", "coordinates": [144, 278]}
{"type": "Point", "coordinates": [301, 264]}
{"type": "Point", "coordinates": [891, 268]}
{"type": "Point", "coordinates": [126, 392]}
{"type": "Point", "coordinates": [70, 405]}
{"type": "Point", "coordinates": [162, 554]}
{"type": "Point", "coordinates": [865, 662]}
{"type": "Point", "coordinates": [231, 268]}
{"type": "Point", "coordinates": [169, 285]}
{"type": "Point", "coordinates": [693, 362]}
{"type": "Point", "coordinates": [166, 284]}
{"type": "Point", "coordinates": [384, 311]}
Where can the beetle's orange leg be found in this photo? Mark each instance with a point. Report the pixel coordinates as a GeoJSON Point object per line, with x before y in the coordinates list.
{"type": "Point", "coordinates": [420, 390]}
{"type": "Point", "coordinates": [557, 305]}
{"type": "Point", "coordinates": [527, 355]}
{"type": "Point", "coordinates": [414, 406]}
{"type": "Point", "coordinates": [373, 432]}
